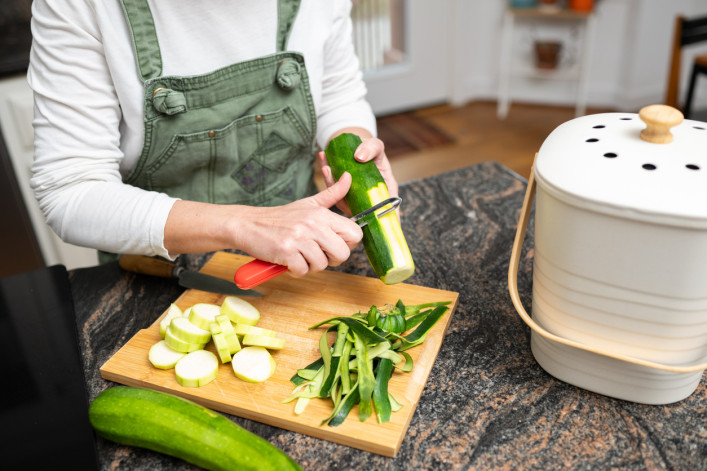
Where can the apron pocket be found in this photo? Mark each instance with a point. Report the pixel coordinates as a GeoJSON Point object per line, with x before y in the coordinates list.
{"type": "Point", "coordinates": [253, 160]}
{"type": "Point", "coordinates": [277, 157]}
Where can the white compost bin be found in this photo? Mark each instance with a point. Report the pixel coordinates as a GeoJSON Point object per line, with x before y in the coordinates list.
{"type": "Point", "coordinates": [620, 257]}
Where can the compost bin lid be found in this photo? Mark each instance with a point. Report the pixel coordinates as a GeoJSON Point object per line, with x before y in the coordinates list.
{"type": "Point", "coordinates": [650, 165]}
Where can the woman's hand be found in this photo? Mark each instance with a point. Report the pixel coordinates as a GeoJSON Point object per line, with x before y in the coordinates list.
{"type": "Point", "coordinates": [371, 148]}
{"type": "Point", "coordinates": [304, 235]}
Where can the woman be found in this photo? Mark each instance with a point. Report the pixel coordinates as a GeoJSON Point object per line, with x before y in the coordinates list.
{"type": "Point", "coordinates": [170, 127]}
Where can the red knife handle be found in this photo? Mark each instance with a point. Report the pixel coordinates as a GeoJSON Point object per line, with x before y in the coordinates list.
{"type": "Point", "coordinates": [256, 272]}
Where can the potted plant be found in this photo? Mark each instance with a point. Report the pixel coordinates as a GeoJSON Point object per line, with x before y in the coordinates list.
{"type": "Point", "coordinates": [547, 54]}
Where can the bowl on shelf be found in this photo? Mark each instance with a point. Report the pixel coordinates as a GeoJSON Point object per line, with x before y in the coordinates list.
{"type": "Point", "coordinates": [581, 5]}
{"type": "Point", "coordinates": [547, 54]}
{"type": "Point", "coordinates": [523, 3]}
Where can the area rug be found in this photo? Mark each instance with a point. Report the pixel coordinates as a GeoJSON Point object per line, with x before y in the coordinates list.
{"type": "Point", "coordinates": [405, 132]}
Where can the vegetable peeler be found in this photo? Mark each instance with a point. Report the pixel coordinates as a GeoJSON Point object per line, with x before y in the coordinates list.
{"type": "Point", "coordinates": [258, 271]}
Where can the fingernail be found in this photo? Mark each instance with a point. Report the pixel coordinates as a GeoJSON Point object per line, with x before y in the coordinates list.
{"type": "Point", "coordinates": [361, 155]}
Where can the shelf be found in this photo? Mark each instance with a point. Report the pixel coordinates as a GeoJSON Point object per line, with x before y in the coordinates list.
{"type": "Point", "coordinates": [561, 73]}
{"type": "Point", "coordinates": [550, 13]}
{"type": "Point", "coordinates": [576, 72]}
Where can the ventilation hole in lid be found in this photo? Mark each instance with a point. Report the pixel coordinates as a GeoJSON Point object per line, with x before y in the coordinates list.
{"type": "Point", "coordinates": [649, 166]}
{"type": "Point", "coordinates": [699, 127]}
{"type": "Point", "coordinates": [592, 139]}
{"type": "Point", "coordinates": [692, 166]}
{"type": "Point", "coordinates": [611, 155]}
{"type": "Point", "coordinates": [599, 126]}
{"type": "Point", "coordinates": [626, 119]}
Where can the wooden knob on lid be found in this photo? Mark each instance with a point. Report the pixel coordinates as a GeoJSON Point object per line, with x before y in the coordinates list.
{"type": "Point", "coordinates": [659, 119]}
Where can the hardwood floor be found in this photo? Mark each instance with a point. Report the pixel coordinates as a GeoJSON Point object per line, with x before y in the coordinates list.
{"type": "Point", "coordinates": [480, 136]}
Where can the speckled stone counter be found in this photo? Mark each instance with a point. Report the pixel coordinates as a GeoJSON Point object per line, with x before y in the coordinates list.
{"type": "Point", "coordinates": [487, 404]}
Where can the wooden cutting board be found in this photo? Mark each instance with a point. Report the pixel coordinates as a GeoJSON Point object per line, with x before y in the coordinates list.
{"type": "Point", "coordinates": [290, 306]}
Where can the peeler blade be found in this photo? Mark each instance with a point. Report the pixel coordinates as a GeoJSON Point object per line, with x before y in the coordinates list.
{"type": "Point", "coordinates": [394, 202]}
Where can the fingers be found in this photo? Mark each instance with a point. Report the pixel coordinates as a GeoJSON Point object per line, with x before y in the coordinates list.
{"type": "Point", "coordinates": [323, 162]}
{"type": "Point", "coordinates": [308, 257]}
{"type": "Point", "coordinates": [321, 248]}
{"type": "Point", "coordinates": [369, 149]}
{"type": "Point", "coordinates": [328, 176]}
{"type": "Point", "coordinates": [335, 192]}
{"type": "Point", "coordinates": [374, 149]}
{"type": "Point", "coordinates": [329, 181]}
{"type": "Point", "coordinates": [306, 235]}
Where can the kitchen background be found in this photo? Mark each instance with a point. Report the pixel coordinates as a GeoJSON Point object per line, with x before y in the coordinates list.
{"type": "Point", "coordinates": [453, 82]}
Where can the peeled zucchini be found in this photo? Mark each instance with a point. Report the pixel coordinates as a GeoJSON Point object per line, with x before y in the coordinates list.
{"type": "Point", "coordinates": [253, 364]}
{"type": "Point", "coordinates": [240, 311]}
{"type": "Point", "coordinates": [162, 356]}
{"type": "Point", "coordinates": [196, 369]}
{"type": "Point", "coordinates": [383, 238]}
{"type": "Point", "coordinates": [172, 312]}
{"type": "Point", "coordinates": [178, 427]}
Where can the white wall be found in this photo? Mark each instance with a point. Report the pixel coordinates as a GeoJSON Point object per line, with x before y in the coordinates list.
{"type": "Point", "coordinates": [629, 62]}
{"type": "Point", "coordinates": [16, 111]}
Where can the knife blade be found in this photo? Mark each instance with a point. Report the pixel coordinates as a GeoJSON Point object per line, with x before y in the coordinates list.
{"type": "Point", "coordinates": [257, 271]}
{"type": "Point", "coordinates": [187, 279]}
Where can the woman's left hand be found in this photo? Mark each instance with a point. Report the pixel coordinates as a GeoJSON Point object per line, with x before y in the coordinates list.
{"type": "Point", "coordinates": [373, 149]}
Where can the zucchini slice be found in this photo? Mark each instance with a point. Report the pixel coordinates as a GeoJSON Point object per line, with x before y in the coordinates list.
{"type": "Point", "coordinates": [188, 332]}
{"type": "Point", "coordinates": [172, 312]}
{"type": "Point", "coordinates": [383, 238]}
{"type": "Point", "coordinates": [203, 314]}
{"type": "Point", "coordinates": [240, 311]}
{"type": "Point", "coordinates": [244, 329]}
{"type": "Point", "coordinates": [196, 369]}
{"type": "Point", "coordinates": [265, 341]}
{"type": "Point", "coordinates": [162, 356]}
{"type": "Point", "coordinates": [253, 364]}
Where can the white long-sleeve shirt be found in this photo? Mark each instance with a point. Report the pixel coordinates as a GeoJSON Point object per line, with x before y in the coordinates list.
{"type": "Point", "coordinates": [89, 98]}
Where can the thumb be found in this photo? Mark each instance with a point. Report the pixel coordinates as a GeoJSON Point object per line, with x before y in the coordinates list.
{"type": "Point", "coordinates": [333, 194]}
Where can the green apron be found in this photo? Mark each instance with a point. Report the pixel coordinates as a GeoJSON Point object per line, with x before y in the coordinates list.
{"type": "Point", "coordinates": [243, 134]}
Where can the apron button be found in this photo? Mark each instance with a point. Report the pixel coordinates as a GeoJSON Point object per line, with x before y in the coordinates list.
{"type": "Point", "coordinates": [212, 133]}
{"type": "Point", "coordinates": [258, 118]}
{"type": "Point", "coordinates": [288, 75]}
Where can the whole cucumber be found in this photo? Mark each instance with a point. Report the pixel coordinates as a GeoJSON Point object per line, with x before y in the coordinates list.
{"type": "Point", "coordinates": [178, 427]}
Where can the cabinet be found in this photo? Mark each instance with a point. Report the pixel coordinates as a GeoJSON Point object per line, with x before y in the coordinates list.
{"type": "Point", "coordinates": [510, 68]}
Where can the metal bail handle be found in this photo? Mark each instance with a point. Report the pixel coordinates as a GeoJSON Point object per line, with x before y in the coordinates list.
{"type": "Point", "coordinates": [515, 297]}
{"type": "Point", "coordinates": [257, 271]}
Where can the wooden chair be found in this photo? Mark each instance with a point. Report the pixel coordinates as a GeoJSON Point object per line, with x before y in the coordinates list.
{"type": "Point", "coordinates": [687, 31]}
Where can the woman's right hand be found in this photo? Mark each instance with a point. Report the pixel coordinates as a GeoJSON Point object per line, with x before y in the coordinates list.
{"type": "Point", "coordinates": [304, 235]}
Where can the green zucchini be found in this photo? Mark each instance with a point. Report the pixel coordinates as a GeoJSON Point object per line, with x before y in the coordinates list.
{"type": "Point", "coordinates": [383, 238]}
{"type": "Point", "coordinates": [178, 427]}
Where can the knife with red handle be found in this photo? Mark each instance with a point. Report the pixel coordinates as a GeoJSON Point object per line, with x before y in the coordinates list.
{"type": "Point", "coordinates": [258, 271]}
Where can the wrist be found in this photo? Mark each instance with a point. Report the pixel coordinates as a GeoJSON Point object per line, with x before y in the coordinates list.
{"type": "Point", "coordinates": [194, 227]}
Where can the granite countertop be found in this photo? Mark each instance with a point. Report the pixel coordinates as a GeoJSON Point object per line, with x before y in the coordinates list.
{"type": "Point", "coordinates": [487, 404]}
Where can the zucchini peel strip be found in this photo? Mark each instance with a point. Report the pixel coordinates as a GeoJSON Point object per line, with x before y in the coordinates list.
{"type": "Point", "coordinates": [357, 367]}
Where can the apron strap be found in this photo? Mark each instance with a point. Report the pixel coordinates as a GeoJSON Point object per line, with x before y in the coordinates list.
{"type": "Point", "coordinates": [286, 14]}
{"type": "Point", "coordinates": [146, 45]}
{"type": "Point", "coordinates": [147, 48]}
